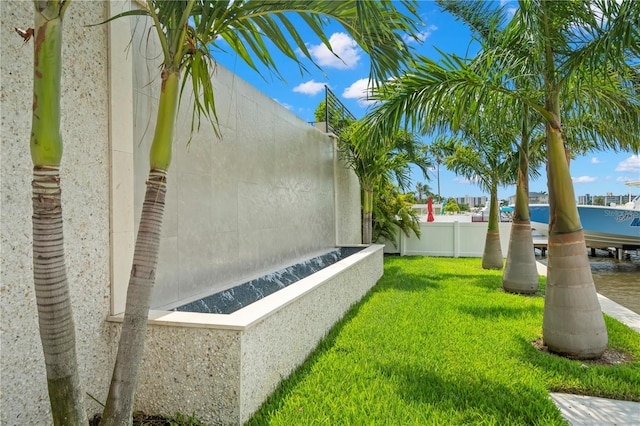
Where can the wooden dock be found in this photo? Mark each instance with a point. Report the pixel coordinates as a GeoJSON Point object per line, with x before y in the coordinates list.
{"type": "Point", "coordinates": [540, 243]}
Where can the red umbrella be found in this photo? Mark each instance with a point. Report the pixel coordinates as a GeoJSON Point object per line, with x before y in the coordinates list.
{"type": "Point", "coordinates": [430, 210]}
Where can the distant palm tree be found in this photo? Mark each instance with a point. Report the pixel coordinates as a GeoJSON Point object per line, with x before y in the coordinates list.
{"type": "Point", "coordinates": [486, 22]}
{"type": "Point", "coordinates": [486, 158]}
{"type": "Point", "coordinates": [377, 162]}
{"type": "Point", "coordinates": [422, 190]}
{"type": "Point", "coordinates": [520, 272]}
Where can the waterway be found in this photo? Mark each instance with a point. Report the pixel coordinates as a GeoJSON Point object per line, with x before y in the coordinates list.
{"type": "Point", "coordinates": [619, 280]}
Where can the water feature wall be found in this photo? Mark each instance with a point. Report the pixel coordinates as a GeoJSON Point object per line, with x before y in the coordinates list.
{"type": "Point", "coordinates": [261, 197]}
{"type": "Point", "coordinates": [221, 367]}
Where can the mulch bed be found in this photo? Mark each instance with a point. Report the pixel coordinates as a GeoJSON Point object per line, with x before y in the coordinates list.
{"type": "Point", "coordinates": [139, 419]}
{"type": "Point", "coordinates": [609, 357]}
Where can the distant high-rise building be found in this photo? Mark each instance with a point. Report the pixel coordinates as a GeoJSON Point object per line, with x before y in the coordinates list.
{"type": "Point", "coordinates": [609, 199]}
{"type": "Point", "coordinates": [534, 198]}
{"type": "Point", "coordinates": [585, 199]}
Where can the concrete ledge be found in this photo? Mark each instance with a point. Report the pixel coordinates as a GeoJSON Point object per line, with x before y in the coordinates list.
{"type": "Point", "coordinates": [222, 367]}
{"type": "Point", "coordinates": [619, 312]}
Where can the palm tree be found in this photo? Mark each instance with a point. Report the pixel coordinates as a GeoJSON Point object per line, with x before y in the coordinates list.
{"type": "Point", "coordinates": [573, 322]}
{"type": "Point", "coordinates": [488, 160]}
{"type": "Point", "coordinates": [187, 30]}
{"type": "Point", "coordinates": [584, 57]}
{"type": "Point", "coordinates": [392, 211]}
{"type": "Point", "coordinates": [423, 190]}
{"type": "Point", "coordinates": [57, 330]}
{"type": "Point", "coordinates": [520, 273]}
{"type": "Point", "coordinates": [376, 161]}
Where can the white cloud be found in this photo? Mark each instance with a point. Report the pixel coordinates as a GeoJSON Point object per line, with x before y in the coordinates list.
{"type": "Point", "coordinates": [421, 36]}
{"type": "Point", "coordinates": [343, 46]}
{"type": "Point", "coordinates": [359, 90]}
{"type": "Point", "coordinates": [631, 165]}
{"type": "Point", "coordinates": [595, 160]}
{"type": "Point", "coordinates": [583, 179]}
{"type": "Point", "coordinates": [311, 87]}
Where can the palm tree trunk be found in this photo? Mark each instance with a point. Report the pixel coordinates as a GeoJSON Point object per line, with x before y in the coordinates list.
{"type": "Point", "coordinates": [572, 323]}
{"type": "Point", "coordinates": [57, 330]}
{"type": "Point", "coordinates": [520, 273]}
{"type": "Point", "coordinates": [55, 315]}
{"type": "Point", "coordinates": [367, 215]}
{"type": "Point", "coordinates": [492, 254]}
{"type": "Point", "coordinates": [119, 406]}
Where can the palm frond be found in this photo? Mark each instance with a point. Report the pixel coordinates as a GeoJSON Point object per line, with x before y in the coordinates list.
{"type": "Point", "coordinates": [189, 31]}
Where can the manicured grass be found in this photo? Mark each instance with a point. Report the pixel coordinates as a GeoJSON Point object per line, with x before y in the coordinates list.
{"type": "Point", "coordinates": [438, 342]}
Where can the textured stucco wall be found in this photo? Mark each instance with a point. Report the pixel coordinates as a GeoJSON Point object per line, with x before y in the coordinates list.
{"type": "Point", "coordinates": [191, 370]}
{"type": "Point", "coordinates": [259, 199]}
{"type": "Point", "coordinates": [85, 197]}
{"type": "Point", "coordinates": [272, 348]}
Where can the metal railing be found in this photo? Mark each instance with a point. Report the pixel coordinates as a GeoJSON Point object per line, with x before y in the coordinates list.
{"type": "Point", "coordinates": [336, 114]}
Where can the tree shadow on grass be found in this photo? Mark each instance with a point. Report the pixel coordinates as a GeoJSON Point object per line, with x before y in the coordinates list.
{"type": "Point", "coordinates": [415, 273]}
{"type": "Point", "coordinates": [619, 379]}
{"type": "Point", "coordinates": [474, 400]}
{"type": "Point", "coordinates": [489, 312]}
{"type": "Point", "coordinates": [396, 277]}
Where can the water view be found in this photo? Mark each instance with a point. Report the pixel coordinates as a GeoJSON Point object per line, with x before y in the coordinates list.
{"type": "Point", "coordinates": [619, 280]}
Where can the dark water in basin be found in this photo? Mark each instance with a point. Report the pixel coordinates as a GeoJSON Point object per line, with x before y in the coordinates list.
{"type": "Point", "coordinates": [230, 300]}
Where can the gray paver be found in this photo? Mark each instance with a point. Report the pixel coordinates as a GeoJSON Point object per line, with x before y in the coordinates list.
{"type": "Point", "coordinates": [581, 410]}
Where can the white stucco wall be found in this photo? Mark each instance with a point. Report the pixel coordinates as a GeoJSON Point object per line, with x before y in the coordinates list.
{"type": "Point", "coordinates": [85, 197]}
{"type": "Point", "coordinates": [263, 196]}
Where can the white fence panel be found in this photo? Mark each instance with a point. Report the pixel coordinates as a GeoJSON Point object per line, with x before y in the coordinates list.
{"type": "Point", "coordinates": [450, 239]}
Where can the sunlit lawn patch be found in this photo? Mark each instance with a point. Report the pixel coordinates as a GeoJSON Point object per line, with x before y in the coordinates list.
{"type": "Point", "coordinates": [437, 341]}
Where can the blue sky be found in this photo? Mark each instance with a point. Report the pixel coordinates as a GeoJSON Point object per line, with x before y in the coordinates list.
{"type": "Point", "coordinates": [597, 173]}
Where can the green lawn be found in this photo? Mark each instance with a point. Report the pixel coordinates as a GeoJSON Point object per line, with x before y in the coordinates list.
{"type": "Point", "coordinates": [438, 342]}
